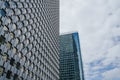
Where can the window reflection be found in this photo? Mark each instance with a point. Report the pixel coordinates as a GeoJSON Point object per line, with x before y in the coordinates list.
{"type": "Point", "coordinates": [22, 38]}
{"type": "Point", "coordinates": [15, 18]}
{"type": "Point", "coordinates": [1, 70]}
{"type": "Point", "coordinates": [8, 45]}
{"type": "Point", "coordinates": [11, 35]}
{"type": "Point", "coordinates": [17, 11]}
{"type": "Point", "coordinates": [20, 46]}
{"type": "Point", "coordinates": [5, 28]}
{"type": "Point", "coordinates": [2, 13]}
{"type": "Point", "coordinates": [13, 4]}
{"type": "Point", "coordinates": [17, 33]}
{"type": "Point", "coordinates": [24, 30]}
{"type": "Point", "coordinates": [18, 66]}
{"type": "Point", "coordinates": [2, 39]}
{"type": "Point", "coordinates": [26, 42]}
{"type": "Point", "coordinates": [4, 57]}
{"type": "Point", "coordinates": [12, 27]}
{"type": "Point", "coordinates": [12, 61]}
{"type": "Point", "coordinates": [19, 4]}
{"type": "Point", "coordinates": [15, 77]}
{"type": "Point", "coordinates": [4, 4]}
{"type": "Point", "coordinates": [9, 12]}
{"type": "Point", "coordinates": [6, 20]}
{"type": "Point", "coordinates": [14, 50]}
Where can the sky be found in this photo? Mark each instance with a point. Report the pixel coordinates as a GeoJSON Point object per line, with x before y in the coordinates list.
{"type": "Point", "coordinates": [98, 24]}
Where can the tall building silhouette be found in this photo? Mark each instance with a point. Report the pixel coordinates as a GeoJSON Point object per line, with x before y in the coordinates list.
{"type": "Point", "coordinates": [71, 67]}
{"type": "Point", "coordinates": [29, 34]}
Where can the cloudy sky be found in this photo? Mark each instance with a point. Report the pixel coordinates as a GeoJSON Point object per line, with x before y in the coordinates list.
{"type": "Point", "coordinates": [98, 24]}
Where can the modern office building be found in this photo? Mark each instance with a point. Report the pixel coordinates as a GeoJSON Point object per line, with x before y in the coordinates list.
{"type": "Point", "coordinates": [71, 67]}
{"type": "Point", "coordinates": [29, 34]}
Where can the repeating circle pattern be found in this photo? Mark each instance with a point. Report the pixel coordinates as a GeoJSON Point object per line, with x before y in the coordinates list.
{"type": "Point", "coordinates": [29, 32]}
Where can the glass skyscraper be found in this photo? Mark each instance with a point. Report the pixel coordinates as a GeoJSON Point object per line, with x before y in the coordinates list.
{"type": "Point", "coordinates": [71, 67]}
{"type": "Point", "coordinates": [29, 34]}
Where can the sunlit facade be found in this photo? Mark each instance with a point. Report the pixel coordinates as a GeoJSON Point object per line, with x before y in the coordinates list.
{"type": "Point", "coordinates": [29, 34]}
{"type": "Point", "coordinates": [71, 67]}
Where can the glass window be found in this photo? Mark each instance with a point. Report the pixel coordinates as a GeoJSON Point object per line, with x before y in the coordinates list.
{"type": "Point", "coordinates": [27, 16]}
{"type": "Point", "coordinates": [12, 61]}
{"type": "Point", "coordinates": [25, 5]}
{"type": "Point", "coordinates": [22, 17]}
{"type": "Point", "coordinates": [31, 39]}
{"type": "Point", "coordinates": [29, 10]}
{"type": "Point", "coordinates": [9, 12]}
{"type": "Point", "coordinates": [26, 72]}
{"type": "Point", "coordinates": [32, 15]}
{"type": "Point", "coordinates": [15, 18]}
{"type": "Point", "coordinates": [33, 10]}
{"type": "Point", "coordinates": [32, 66]}
{"type": "Point", "coordinates": [23, 59]}
{"type": "Point", "coordinates": [30, 46]}
{"type": "Point", "coordinates": [18, 33]}
{"type": "Point", "coordinates": [14, 50]}
{"type": "Point", "coordinates": [16, 40]}
{"type": "Point", "coordinates": [22, 69]}
{"type": "Point", "coordinates": [25, 22]}
{"type": "Point", "coordinates": [1, 70]}
{"type": "Point", "coordinates": [5, 28]}
{"type": "Point", "coordinates": [31, 21]}
{"type": "Point", "coordinates": [0, 24]}
{"type": "Point", "coordinates": [19, 4]}
{"type": "Point", "coordinates": [2, 39]}
{"type": "Point", "coordinates": [17, 11]}
{"type": "Point", "coordinates": [12, 27]}
{"type": "Point", "coordinates": [29, 54]}
{"type": "Point", "coordinates": [35, 36]}
{"type": "Point", "coordinates": [9, 74]}
{"type": "Point", "coordinates": [26, 42]}
{"type": "Point", "coordinates": [36, 30]}
{"type": "Point", "coordinates": [2, 13]}
{"type": "Point", "coordinates": [18, 66]}
{"type": "Point", "coordinates": [15, 77]}
{"type": "Point", "coordinates": [24, 30]}
{"type": "Point", "coordinates": [29, 4]}
{"type": "Point", "coordinates": [23, 10]}
{"type": "Point", "coordinates": [28, 34]}
{"type": "Point", "coordinates": [24, 51]}
{"type": "Point", "coordinates": [22, 38]}
{"type": "Point", "coordinates": [28, 62]}
{"type": "Point", "coordinates": [6, 20]}
{"type": "Point", "coordinates": [4, 4]}
{"type": "Point", "coordinates": [29, 28]}
{"type": "Point", "coordinates": [20, 46]}
{"type": "Point", "coordinates": [34, 42]}
{"type": "Point", "coordinates": [13, 4]}
{"type": "Point", "coordinates": [32, 32]}
{"type": "Point", "coordinates": [4, 57]}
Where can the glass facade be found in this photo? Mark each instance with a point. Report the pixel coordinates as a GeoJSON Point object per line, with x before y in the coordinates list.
{"type": "Point", "coordinates": [29, 34]}
{"type": "Point", "coordinates": [71, 67]}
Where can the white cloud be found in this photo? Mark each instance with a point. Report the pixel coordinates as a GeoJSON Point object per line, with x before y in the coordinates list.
{"type": "Point", "coordinates": [98, 24]}
{"type": "Point", "coordinates": [112, 74]}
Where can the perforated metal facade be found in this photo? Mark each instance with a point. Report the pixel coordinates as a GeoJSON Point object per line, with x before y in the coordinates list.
{"type": "Point", "coordinates": [29, 31]}
{"type": "Point", "coordinates": [71, 67]}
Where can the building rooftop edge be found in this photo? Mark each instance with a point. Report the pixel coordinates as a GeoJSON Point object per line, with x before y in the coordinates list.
{"type": "Point", "coordinates": [71, 32]}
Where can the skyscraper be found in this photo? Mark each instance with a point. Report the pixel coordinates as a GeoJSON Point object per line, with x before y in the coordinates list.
{"type": "Point", "coordinates": [29, 31]}
{"type": "Point", "coordinates": [71, 67]}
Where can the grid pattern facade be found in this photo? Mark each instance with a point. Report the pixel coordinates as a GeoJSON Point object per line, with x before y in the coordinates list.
{"type": "Point", "coordinates": [29, 31]}
{"type": "Point", "coordinates": [69, 58]}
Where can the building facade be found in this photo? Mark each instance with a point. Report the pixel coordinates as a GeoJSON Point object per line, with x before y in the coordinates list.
{"type": "Point", "coordinates": [29, 34]}
{"type": "Point", "coordinates": [71, 67]}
